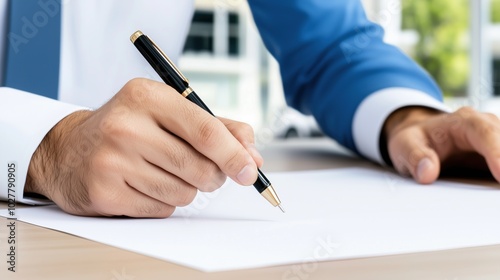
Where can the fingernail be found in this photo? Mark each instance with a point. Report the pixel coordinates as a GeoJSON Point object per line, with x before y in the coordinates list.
{"type": "Point", "coordinates": [422, 167]}
{"type": "Point", "coordinates": [247, 175]}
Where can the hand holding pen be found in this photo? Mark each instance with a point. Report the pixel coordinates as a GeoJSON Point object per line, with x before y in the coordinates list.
{"type": "Point", "coordinates": [174, 78]}
{"type": "Point", "coordinates": [135, 156]}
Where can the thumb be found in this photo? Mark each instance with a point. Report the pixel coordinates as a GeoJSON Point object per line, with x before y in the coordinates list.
{"type": "Point", "coordinates": [411, 155]}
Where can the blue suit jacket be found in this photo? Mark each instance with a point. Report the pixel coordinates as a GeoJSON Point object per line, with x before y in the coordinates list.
{"type": "Point", "coordinates": [331, 57]}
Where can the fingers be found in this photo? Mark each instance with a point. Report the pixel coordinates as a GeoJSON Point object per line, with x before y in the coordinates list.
{"type": "Point", "coordinates": [175, 156]}
{"type": "Point", "coordinates": [202, 131]}
{"type": "Point", "coordinates": [411, 155]}
{"type": "Point", "coordinates": [154, 150]}
{"type": "Point", "coordinates": [160, 185]}
{"type": "Point", "coordinates": [479, 133]}
{"type": "Point", "coordinates": [211, 138]}
{"type": "Point", "coordinates": [108, 192]}
{"type": "Point", "coordinates": [421, 147]}
{"type": "Point", "coordinates": [132, 203]}
{"type": "Point", "coordinates": [244, 133]}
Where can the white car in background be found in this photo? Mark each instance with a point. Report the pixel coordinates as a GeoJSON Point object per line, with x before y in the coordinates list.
{"type": "Point", "coordinates": [290, 123]}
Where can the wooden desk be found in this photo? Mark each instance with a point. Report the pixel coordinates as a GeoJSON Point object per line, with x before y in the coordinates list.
{"type": "Point", "coordinates": [48, 254]}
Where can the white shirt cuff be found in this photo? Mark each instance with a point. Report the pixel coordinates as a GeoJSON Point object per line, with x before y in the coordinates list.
{"type": "Point", "coordinates": [371, 114]}
{"type": "Point", "coordinates": [25, 119]}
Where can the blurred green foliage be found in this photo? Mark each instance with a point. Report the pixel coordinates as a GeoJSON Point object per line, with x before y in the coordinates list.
{"type": "Point", "coordinates": [495, 11]}
{"type": "Point", "coordinates": [442, 48]}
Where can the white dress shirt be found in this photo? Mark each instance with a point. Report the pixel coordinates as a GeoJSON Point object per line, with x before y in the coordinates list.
{"type": "Point", "coordinates": [97, 59]}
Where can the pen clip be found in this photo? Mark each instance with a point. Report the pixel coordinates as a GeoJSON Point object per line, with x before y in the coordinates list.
{"type": "Point", "coordinates": [170, 63]}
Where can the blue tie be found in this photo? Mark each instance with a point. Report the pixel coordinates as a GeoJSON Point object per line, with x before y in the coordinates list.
{"type": "Point", "coordinates": [33, 45]}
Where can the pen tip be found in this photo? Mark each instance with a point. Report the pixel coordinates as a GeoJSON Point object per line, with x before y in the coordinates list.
{"type": "Point", "coordinates": [281, 208]}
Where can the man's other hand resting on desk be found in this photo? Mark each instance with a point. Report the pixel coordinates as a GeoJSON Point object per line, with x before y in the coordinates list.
{"type": "Point", "coordinates": [422, 142]}
{"type": "Point", "coordinates": [142, 154]}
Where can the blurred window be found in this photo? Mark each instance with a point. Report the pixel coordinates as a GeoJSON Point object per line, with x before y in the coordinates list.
{"type": "Point", "coordinates": [206, 25]}
{"type": "Point", "coordinates": [234, 34]}
{"type": "Point", "coordinates": [201, 33]}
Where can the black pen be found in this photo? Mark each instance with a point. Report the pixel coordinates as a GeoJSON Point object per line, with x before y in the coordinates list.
{"type": "Point", "coordinates": [174, 78]}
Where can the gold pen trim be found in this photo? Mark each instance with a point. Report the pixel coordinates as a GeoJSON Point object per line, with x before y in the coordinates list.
{"type": "Point", "coordinates": [270, 195]}
{"type": "Point", "coordinates": [187, 92]}
{"type": "Point", "coordinates": [135, 36]}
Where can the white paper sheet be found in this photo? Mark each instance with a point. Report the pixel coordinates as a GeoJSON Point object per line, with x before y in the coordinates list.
{"type": "Point", "coordinates": [331, 215]}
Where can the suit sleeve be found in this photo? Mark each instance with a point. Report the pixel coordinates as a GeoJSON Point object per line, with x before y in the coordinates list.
{"type": "Point", "coordinates": [333, 59]}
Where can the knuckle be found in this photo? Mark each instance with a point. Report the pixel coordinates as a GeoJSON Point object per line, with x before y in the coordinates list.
{"type": "Point", "coordinates": [102, 199]}
{"type": "Point", "coordinates": [235, 162]}
{"type": "Point", "coordinates": [246, 131]}
{"type": "Point", "coordinates": [483, 128]}
{"type": "Point", "coordinates": [166, 211]}
{"type": "Point", "coordinates": [208, 178]}
{"type": "Point", "coordinates": [136, 92]}
{"type": "Point", "coordinates": [217, 180]}
{"type": "Point", "coordinates": [208, 133]}
{"type": "Point", "coordinates": [210, 187]}
{"type": "Point", "coordinates": [176, 193]}
{"type": "Point", "coordinates": [200, 180]}
{"type": "Point", "coordinates": [177, 156]}
{"type": "Point", "coordinates": [439, 135]}
{"type": "Point", "coordinates": [134, 85]}
{"type": "Point", "coordinates": [466, 111]}
{"type": "Point", "coordinates": [454, 121]}
{"type": "Point", "coordinates": [467, 114]}
{"type": "Point", "coordinates": [152, 209]}
{"type": "Point", "coordinates": [220, 179]}
{"type": "Point", "coordinates": [185, 196]}
{"type": "Point", "coordinates": [117, 125]}
{"type": "Point", "coordinates": [159, 189]}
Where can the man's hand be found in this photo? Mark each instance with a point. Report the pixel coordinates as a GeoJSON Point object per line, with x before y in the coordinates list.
{"type": "Point", "coordinates": [142, 154]}
{"type": "Point", "coordinates": [421, 142]}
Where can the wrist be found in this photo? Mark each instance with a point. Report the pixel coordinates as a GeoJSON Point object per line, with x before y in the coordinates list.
{"type": "Point", "coordinates": [43, 171]}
